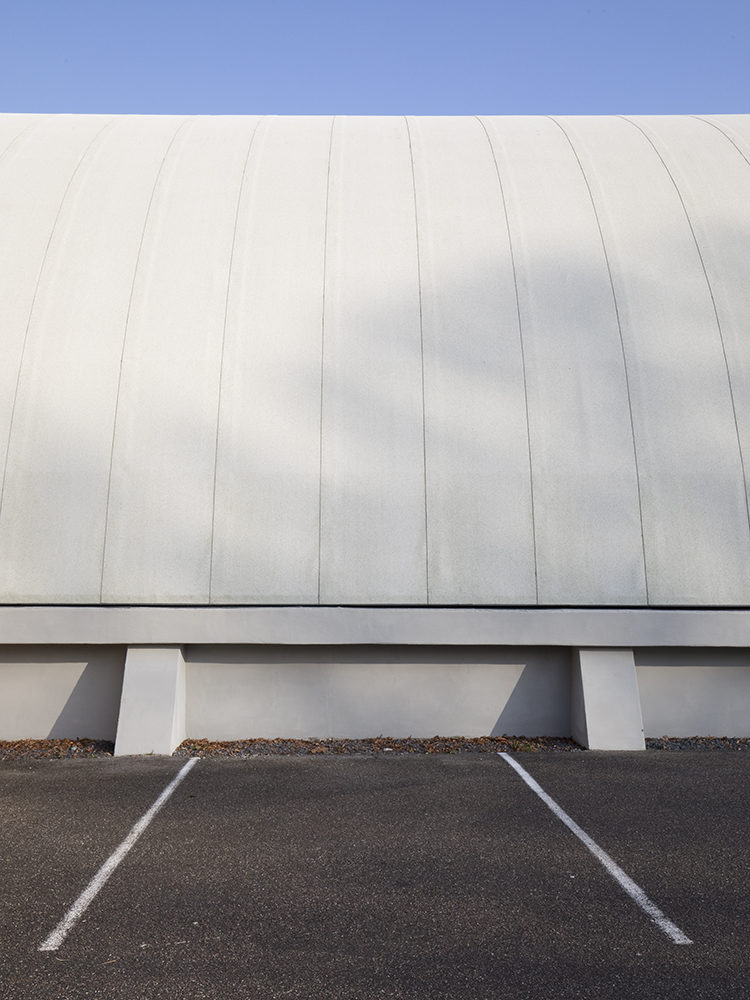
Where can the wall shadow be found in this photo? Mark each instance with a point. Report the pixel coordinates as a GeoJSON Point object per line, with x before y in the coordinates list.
{"type": "Point", "coordinates": [539, 704]}
{"type": "Point", "coordinates": [92, 707]}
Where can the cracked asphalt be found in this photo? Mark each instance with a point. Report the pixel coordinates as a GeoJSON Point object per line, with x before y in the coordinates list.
{"type": "Point", "coordinates": [329, 877]}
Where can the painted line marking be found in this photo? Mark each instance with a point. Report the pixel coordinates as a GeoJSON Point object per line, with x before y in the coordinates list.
{"type": "Point", "coordinates": [635, 892]}
{"type": "Point", "coordinates": [53, 941]}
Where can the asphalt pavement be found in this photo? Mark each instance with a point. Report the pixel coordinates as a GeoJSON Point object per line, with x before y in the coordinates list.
{"type": "Point", "coordinates": [391, 876]}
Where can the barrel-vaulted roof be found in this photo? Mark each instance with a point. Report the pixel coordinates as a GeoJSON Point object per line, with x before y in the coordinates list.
{"type": "Point", "coordinates": [450, 361]}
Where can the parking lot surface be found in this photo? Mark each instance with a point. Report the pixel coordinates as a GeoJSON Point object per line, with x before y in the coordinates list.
{"type": "Point", "coordinates": [377, 876]}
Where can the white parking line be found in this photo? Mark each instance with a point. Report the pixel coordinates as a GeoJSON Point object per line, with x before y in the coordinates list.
{"type": "Point", "coordinates": [634, 891]}
{"type": "Point", "coordinates": [53, 941]}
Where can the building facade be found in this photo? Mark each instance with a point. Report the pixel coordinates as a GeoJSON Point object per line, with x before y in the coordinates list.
{"type": "Point", "coordinates": [360, 426]}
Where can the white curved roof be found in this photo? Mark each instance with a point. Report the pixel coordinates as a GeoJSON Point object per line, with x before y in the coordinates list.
{"type": "Point", "coordinates": [378, 360]}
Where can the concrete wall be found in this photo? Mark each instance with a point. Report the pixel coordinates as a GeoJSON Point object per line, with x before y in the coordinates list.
{"type": "Point", "coordinates": [151, 697]}
{"type": "Point", "coordinates": [423, 361]}
{"type": "Point", "coordinates": [694, 692]}
{"type": "Point", "coordinates": [57, 692]}
{"type": "Point", "coordinates": [360, 691]}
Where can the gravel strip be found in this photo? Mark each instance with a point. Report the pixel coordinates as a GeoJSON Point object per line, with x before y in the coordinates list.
{"type": "Point", "coordinates": [698, 743]}
{"type": "Point", "coordinates": [380, 744]}
{"type": "Point", "coordinates": [31, 749]}
{"type": "Point", "coordinates": [57, 749]}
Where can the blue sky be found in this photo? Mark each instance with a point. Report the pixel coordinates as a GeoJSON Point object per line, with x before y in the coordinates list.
{"type": "Point", "coordinates": [367, 57]}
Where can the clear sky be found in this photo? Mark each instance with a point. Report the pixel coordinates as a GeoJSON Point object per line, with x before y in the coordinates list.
{"type": "Point", "coordinates": [375, 56]}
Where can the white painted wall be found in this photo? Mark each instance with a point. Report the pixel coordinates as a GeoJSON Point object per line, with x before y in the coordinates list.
{"type": "Point", "coordinates": [480, 532]}
{"type": "Point", "coordinates": [696, 153]}
{"type": "Point", "coordinates": [374, 361]}
{"type": "Point", "coordinates": [54, 508]}
{"type": "Point", "coordinates": [372, 528]}
{"type": "Point", "coordinates": [370, 691]}
{"type": "Point", "coordinates": [159, 517]}
{"type": "Point", "coordinates": [265, 538]}
{"type": "Point", "coordinates": [694, 692]}
{"type": "Point", "coordinates": [588, 533]}
{"type": "Point", "coordinates": [343, 690]}
{"type": "Point", "coordinates": [695, 518]}
{"type": "Point", "coordinates": [40, 172]}
{"type": "Point", "coordinates": [58, 692]}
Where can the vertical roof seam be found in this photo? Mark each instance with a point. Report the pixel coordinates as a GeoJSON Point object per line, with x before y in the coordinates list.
{"type": "Point", "coordinates": [727, 136]}
{"type": "Point", "coordinates": [37, 285]}
{"type": "Point", "coordinates": [322, 354]}
{"type": "Point", "coordinates": [146, 217]}
{"type": "Point", "coordinates": [221, 350]}
{"type": "Point", "coordinates": [421, 355]}
{"type": "Point", "coordinates": [622, 348]}
{"type": "Point", "coordinates": [523, 353]}
{"type": "Point", "coordinates": [23, 133]}
{"type": "Point", "coordinates": [713, 306]}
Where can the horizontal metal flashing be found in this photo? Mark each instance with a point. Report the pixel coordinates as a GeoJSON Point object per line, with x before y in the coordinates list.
{"type": "Point", "coordinates": [353, 626]}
